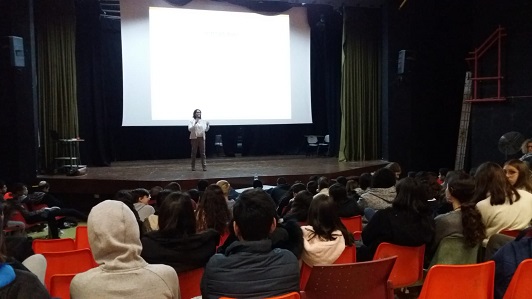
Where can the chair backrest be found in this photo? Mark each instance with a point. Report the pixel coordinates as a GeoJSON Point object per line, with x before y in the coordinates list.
{"type": "Point", "coordinates": [60, 285]}
{"type": "Point", "coordinates": [368, 280]}
{"type": "Point", "coordinates": [408, 267]}
{"type": "Point", "coordinates": [312, 139]}
{"type": "Point", "coordinates": [53, 245]}
{"type": "Point", "coordinates": [326, 139]}
{"type": "Point", "coordinates": [67, 262]}
{"type": "Point", "coordinates": [82, 237]}
{"type": "Point", "coordinates": [353, 223]}
{"type": "Point", "coordinates": [189, 283]}
{"type": "Point", "coordinates": [510, 232]}
{"type": "Point", "coordinates": [293, 295]}
{"type": "Point", "coordinates": [459, 281]}
{"type": "Point", "coordinates": [520, 286]}
{"type": "Point", "coordinates": [455, 251]}
{"type": "Point", "coordinates": [348, 256]}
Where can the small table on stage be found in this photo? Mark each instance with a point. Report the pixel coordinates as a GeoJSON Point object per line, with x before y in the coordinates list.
{"type": "Point", "coordinates": [72, 154]}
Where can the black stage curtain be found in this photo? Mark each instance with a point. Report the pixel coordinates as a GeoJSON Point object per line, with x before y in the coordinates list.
{"type": "Point", "coordinates": [99, 59]}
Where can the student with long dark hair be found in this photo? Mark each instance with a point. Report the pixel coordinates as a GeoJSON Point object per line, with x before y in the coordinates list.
{"type": "Point", "coordinates": [502, 205]}
{"type": "Point", "coordinates": [325, 237]}
{"type": "Point", "coordinates": [408, 222]}
{"type": "Point", "coordinates": [176, 243]}
{"type": "Point", "coordinates": [212, 210]}
{"type": "Point", "coordinates": [465, 219]}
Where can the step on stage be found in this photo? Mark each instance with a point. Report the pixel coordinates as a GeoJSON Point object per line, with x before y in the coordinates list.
{"type": "Point", "coordinates": [100, 183]}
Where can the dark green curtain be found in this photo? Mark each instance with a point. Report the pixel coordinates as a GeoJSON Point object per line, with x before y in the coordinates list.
{"type": "Point", "coordinates": [360, 99]}
{"type": "Point", "coordinates": [56, 66]}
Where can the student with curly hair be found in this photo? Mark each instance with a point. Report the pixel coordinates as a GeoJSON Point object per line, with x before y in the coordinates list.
{"type": "Point", "coordinates": [212, 210]}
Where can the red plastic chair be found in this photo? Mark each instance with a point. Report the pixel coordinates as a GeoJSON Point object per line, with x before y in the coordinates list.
{"type": "Point", "coordinates": [520, 286]}
{"type": "Point", "coordinates": [367, 280]}
{"type": "Point", "coordinates": [53, 245]}
{"type": "Point", "coordinates": [408, 268]}
{"type": "Point", "coordinates": [189, 283]}
{"type": "Point", "coordinates": [352, 224]}
{"type": "Point", "coordinates": [348, 256]}
{"type": "Point", "coordinates": [60, 285]}
{"type": "Point", "coordinates": [82, 237]}
{"type": "Point", "coordinates": [293, 295]}
{"type": "Point", "coordinates": [460, 282]}
{"type": "Point", "coordinates": [67, 262]}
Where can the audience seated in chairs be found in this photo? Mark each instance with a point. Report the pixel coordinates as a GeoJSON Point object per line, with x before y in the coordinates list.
{"type": "Point", "coordinates": [176, 243]}
{"type": "Point", "coordinates": [381, 193]}
{"type": "Point", "coordinates": [17, 204]}
{"type": "Point", "coordinates": [42, 196]}
{"type": "Point", "coordinates": [249, 267]}
{"type": "Point", "coordinates": [212, 212]}
{"type": "Point", "coordinates": [325, 237]}
{"type": "Point", "coordinates": [279, 191]}
{"type": "Point", "coordinates": [17, 281]}
{"type": "Point", "coordinates": [226, 189]}
{"type": "Point", "coordinates": [408, 222]}
{"type": "Point", "coordinates": [122, 273]}
{"type": "Point", "coordinates": [299, 207]}
{"type": "Point", "coordinates": [286, 201]}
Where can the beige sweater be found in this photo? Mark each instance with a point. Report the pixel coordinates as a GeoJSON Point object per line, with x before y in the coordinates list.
{"type": "Point", "coordinates": [319, 251]}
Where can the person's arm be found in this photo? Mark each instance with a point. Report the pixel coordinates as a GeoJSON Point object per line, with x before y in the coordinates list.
{"type": "Point", "coordinates": [207, 126]}
{"type": "Point", "coordinates": [191, 124]}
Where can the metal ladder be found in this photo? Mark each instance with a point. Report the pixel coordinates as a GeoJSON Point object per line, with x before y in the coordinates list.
{"type": "Point", "coordinates": [464, 124]}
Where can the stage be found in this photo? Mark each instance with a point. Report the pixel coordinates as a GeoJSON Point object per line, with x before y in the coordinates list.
{"type": "Point", "coordinates": [100, 183]}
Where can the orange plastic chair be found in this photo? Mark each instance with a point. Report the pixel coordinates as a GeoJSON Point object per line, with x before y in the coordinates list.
{"type": "Point", "coordinates": [82, 237]}
{"type": "Point", "coordinates": [348, 256]}
{"type": "Point", "coordinates": [67, 262]}
{"type": "Point", "coordinates": [368, 280]}
{"type": "Point", "coordinates": [53, 245]}
{"type": "Point", "coordinates": [460, 281]}
{"type": "Point", "coordinates": [520, 286]}
{"type": "Point", "coordinates": [189, 283]}
{"type": "Point", "coordinates": [352, 224]}
{"type": "Point", "coordinates": [293, 295]}
{"type": "Point", "coordinates": [408, 268]}
{"type": "Point", "coordinates": [60, 285]}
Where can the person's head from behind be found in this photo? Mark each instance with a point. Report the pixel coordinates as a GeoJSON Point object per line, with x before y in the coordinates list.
{"type": "Point", "coordinates": [395, 168]}
{"type": "Point", "coordinates": [141, 195]}
{"type": "Point", "coordinates": [194, 195]}
{"type": "Point", "coordinates": [518, 174]}
{"type": "Point", "coordinates": [383, 178]}
{"type": "Point", "coordinates": [281, 181]}
{"type": "Point", "coordinates": [226, 187]}
{"type": "Point", "coordinates": [412, 194]}
{"type": "Point", "coordinates": [338, 192]}
{"type": "Point", "coordinates": [301, 203]}
{"type": "Point", "coordinates": [254, 215]}
{"type": "Point", "coordinates": [351, 186]}
{"type": "Point", "coordinates": [196, 114]}
{"type": "Point", "coordinates": [442, 172]}
{"type": "Point", "coordinates": [324, 219]}
{"type": "Point", "coordinates": [176, 216]}
{"type": "Point", "coordinates": [491, 181]}
{"type": "Point", "coordinates": [257, 184]}
{"type": "Point", "coordinates": [113, 231]}
{"type": "Point", "coordinates": [43, 186]}
{"type": "Point", "coordinates": [323, 182]}
{"type": "Point", "coordinates": [20, 189]}
{"type": "Point", "coordinates": [202, 185]}
{"type": "Point", "coordinates": [212, 211]}
{"type": "Point", "coordinates": [174, 186]}
{"type": "Point", "coordinates": [460, 188]}
{"type": "Point", "coordinates": [312, 187]}
{"type": "Point", "coordinates": [364, 181]}
{"type": "Point", "coordinates": [154, 192]}
{"type": "Point", "coordinates": [341, 180]}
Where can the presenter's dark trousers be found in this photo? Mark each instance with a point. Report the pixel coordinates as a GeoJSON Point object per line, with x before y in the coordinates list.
{"type": "Point", "coordinates": [198, 143]}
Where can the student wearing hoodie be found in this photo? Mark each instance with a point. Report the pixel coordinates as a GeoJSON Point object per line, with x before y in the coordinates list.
{"type": "Point", "coordinates": [114, 239]}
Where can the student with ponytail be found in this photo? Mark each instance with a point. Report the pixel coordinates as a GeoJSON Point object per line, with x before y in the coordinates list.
{"type": "Point", "coordinates": [465, 219]}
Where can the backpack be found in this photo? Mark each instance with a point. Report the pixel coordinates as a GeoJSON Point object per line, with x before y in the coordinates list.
{"type": "Point", "coordinates": [508, 258]}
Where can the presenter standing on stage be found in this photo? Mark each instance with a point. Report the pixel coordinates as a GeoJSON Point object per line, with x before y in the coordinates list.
{"type": "Point", "coordinates": [198, 128]}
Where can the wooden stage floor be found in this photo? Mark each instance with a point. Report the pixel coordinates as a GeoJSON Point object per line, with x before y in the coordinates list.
{"type": "Point", "coordinates": [101, 182]}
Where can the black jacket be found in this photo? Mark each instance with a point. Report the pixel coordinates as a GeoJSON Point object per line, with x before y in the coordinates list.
{"type": "Point", "coordinates": [181, 253]}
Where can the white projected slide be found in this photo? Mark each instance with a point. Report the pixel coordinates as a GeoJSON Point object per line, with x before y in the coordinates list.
{"type": "Point", "coordinates": [237, 66]}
